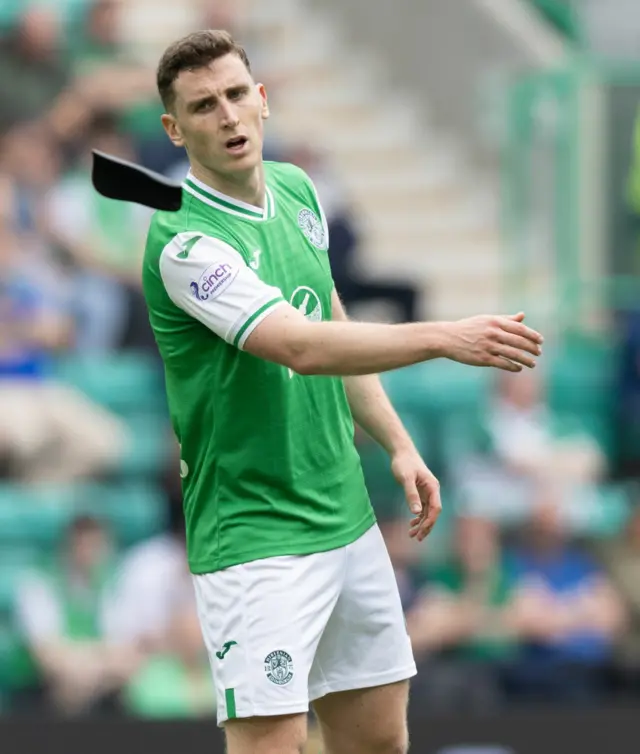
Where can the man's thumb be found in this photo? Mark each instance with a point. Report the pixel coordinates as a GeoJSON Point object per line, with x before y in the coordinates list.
{"type": "Point", "coordinates": [413, 498]}
{"type": "Point", "coordinates": [517, 317]}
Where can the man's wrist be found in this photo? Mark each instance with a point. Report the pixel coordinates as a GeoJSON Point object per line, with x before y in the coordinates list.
{"type": "Point", "coordinates": [438, 337]}
{"type": "Point", "coordinates": [401, 444]}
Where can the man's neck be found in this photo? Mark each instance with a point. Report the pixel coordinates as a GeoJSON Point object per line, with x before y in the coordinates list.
{"type": "Point", "coordinates": [245, 187]}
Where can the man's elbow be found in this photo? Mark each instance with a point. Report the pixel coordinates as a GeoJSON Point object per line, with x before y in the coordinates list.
{"type": "Point", "coordinates": [305, 361]}
{"type": "Point", "coordinates": [287, 338]}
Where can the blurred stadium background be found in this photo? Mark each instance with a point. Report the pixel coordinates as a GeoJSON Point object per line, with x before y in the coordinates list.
{"type": "Point", "coordinates": [472, 156]}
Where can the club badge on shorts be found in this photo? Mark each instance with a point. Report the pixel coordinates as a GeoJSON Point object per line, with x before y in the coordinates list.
{"type": "Point", "coordinates": [278, 666]}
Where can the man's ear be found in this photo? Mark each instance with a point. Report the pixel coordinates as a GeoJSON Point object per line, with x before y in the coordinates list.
{"type": "Point", "coordinates": [172, 128]}
{"type": "Point", "coordinates": [265, 101]}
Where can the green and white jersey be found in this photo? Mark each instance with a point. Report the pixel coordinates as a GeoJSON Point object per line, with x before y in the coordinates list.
{"type": "Point", "coordinates": [269, 465]}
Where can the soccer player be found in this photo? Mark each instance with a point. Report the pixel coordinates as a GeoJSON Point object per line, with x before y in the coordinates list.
{"type": "Point", "coordinates": [265, 376]}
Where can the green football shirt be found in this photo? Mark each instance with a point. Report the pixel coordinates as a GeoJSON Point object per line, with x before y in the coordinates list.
{"type": "Point", "coordinates": [269, 465]}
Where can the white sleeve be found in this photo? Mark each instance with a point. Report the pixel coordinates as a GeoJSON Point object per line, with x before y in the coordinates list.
{"type": "Point", "coordinates": [210, 280]}
{"type": "Point", "coordinates": [38, 612]}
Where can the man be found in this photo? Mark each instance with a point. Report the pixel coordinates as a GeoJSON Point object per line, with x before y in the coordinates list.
{"type": "Point", "coordinates": [295, 591]}
{"type": "Point", "coordinates": [65, 608]}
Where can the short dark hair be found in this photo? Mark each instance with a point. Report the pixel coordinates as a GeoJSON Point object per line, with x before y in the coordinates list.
{"type": "Point", "coordinates": [84, 523]}
{"type": "Point", "coordinates": [194, 51]}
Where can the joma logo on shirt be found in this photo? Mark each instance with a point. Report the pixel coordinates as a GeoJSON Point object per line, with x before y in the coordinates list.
{"type": "Point", "coordinates": [213, 281]}
{"type": "Point", "coordinates": [186, 249]}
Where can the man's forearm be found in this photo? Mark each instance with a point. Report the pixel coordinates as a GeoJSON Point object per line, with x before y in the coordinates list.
{"type": "Point", "coordinates": [358, 348]}
{"type": "Point", "coordinates": [343, 348]}
{"type": "Point", "coordinates": [372, 410]}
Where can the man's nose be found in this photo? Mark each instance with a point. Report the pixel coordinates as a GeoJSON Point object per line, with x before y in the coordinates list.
{"type": "Point", "coordinates": [228, 114]}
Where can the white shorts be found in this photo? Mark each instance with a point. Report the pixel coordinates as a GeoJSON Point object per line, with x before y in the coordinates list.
{"type": "Point", "coordinates": [284, 631]}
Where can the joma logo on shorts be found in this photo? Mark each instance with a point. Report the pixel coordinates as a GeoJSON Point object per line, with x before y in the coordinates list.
{"type": "Point", "coordinates": [225, 648]}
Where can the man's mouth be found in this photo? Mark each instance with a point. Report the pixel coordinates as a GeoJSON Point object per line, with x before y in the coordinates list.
{"type": "Point", "coordinates": [236, 144]}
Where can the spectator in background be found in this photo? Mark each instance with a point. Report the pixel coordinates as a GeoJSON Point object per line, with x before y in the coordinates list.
{"type": "Point", "coordinates": [48, 431]}
{"type": "Point", "coordinates": [63, 609]}
{"type": "Point", "coordinates": [566, 611]}
{"type": "Point", "coordinates": [29, 156]}
{"type": "Point", "coordinates": [531, 442]}
{"type": "Point", "coordinates": [351, 284]}
{"type": "Point", "coordinates": [461, 626]}
{"type": "Point", "coordinates": [524, 450]}
{"type": "Point", "coordinates": [97, 40]}
{"type": "Point", "coordinates": [153, 580]}
{"type": "Point", "coordinates": [177, 682]}
{"type": "Point", "coordinates": [34, 70]}
{"type": "Point", "coordinates": [125, 85]}
{"type": "Point", "coordinates": [104, 238]}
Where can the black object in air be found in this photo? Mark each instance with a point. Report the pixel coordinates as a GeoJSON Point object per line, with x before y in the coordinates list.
{"type": "Point", "coordinates": [127, 182]}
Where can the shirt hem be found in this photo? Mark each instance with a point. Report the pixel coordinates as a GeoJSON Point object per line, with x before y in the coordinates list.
{"type": "Point", "coordinates": [199, 568]}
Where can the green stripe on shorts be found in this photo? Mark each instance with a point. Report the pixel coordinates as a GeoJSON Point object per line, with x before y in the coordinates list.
{"type": "Point", "coordinates": [230, 699]}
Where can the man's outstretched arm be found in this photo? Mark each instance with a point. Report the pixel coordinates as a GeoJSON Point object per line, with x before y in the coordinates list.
{"type": "Point", "coordinates": [211, 282]}
{"type": "Point", "coordinates": [355, 348]}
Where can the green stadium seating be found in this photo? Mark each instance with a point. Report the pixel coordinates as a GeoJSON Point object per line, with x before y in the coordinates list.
{"type": "Point", "coordinates": [69, 10]}
{"type": "Point", "coordinates": [124, 383]}
{"type": "Point", "coordinates": [13, 563]}
{"type": "Point", "coordinates": [437, 386]}
{"type": "Point", "coordinates": [135, 510]}
{"type": "Point", "coordinates": [151, 443]}
{"type": "Point", "coordinates": [130, 385]}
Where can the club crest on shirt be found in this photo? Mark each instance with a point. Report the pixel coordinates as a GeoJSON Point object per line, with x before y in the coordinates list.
{"type": "Point", "coordinates": [278, 666]}
{"type": "Point", "coordinates": [313, 228]}
{"type": "Point", "coordinates": [307, 301]}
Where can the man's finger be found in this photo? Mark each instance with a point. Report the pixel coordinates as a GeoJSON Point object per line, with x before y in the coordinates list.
{"type": "Point", "coordinates": [517, 328]}
{"type": "Point", "coordinates": [422, 531]}
{"type": "Point", "coordinates": [426, 526]}
{"type": "Point", "coordinates": [507, 366]}
{"type": "Point", "coordinates": [413, 497]}
{"type": "Point", "coordinates": [431, 510]}
{"type": "Point", "coordinates": [517, 356]}
{"type": "Point", "coordinates": [522, 344]}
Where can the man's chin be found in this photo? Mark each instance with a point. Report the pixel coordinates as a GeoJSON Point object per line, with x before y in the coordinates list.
{"type": "Point", "coordinates": [241, 164]}
{"type": "Point", "coordinates": [234, 168]}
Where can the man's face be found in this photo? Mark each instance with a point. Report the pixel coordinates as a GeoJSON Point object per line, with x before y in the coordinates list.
{"type": "Point", "coordinates": [89, 548]}
{"type": "Point", "coordinates": [218, 116]}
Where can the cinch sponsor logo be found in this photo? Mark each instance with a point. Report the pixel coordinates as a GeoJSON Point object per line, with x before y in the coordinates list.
{"type": "Point", "coordinates": [214, 280]}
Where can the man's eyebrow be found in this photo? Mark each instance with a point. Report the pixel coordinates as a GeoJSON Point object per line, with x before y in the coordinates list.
{"type": "Point", "coordinates": [194, 104]}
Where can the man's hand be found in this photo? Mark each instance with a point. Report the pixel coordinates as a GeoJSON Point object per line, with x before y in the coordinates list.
{"type": "Point", "coordinates": [491, 341]}
{"type": "Point", "coordinates": [421, 489]}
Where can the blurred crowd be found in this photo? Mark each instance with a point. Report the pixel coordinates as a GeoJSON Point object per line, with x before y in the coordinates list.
{"type": "Point", "coordinates": [517, 607]}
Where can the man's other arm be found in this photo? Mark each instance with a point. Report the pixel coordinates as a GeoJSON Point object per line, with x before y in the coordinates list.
{"type": "Point", "coordinates": [372, 410]}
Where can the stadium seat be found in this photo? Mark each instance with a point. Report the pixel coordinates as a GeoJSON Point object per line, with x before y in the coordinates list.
{"type": "Point", "coordinates": [39, 517]}
{"type": "Point", "coordinates": [437, 386]}
{"type": "Point", "coordinates": [150, 449]}
{"type": "Point", "coordinates": [14, 561]}
{"type": "Point", "coordinates": [124, 383]}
